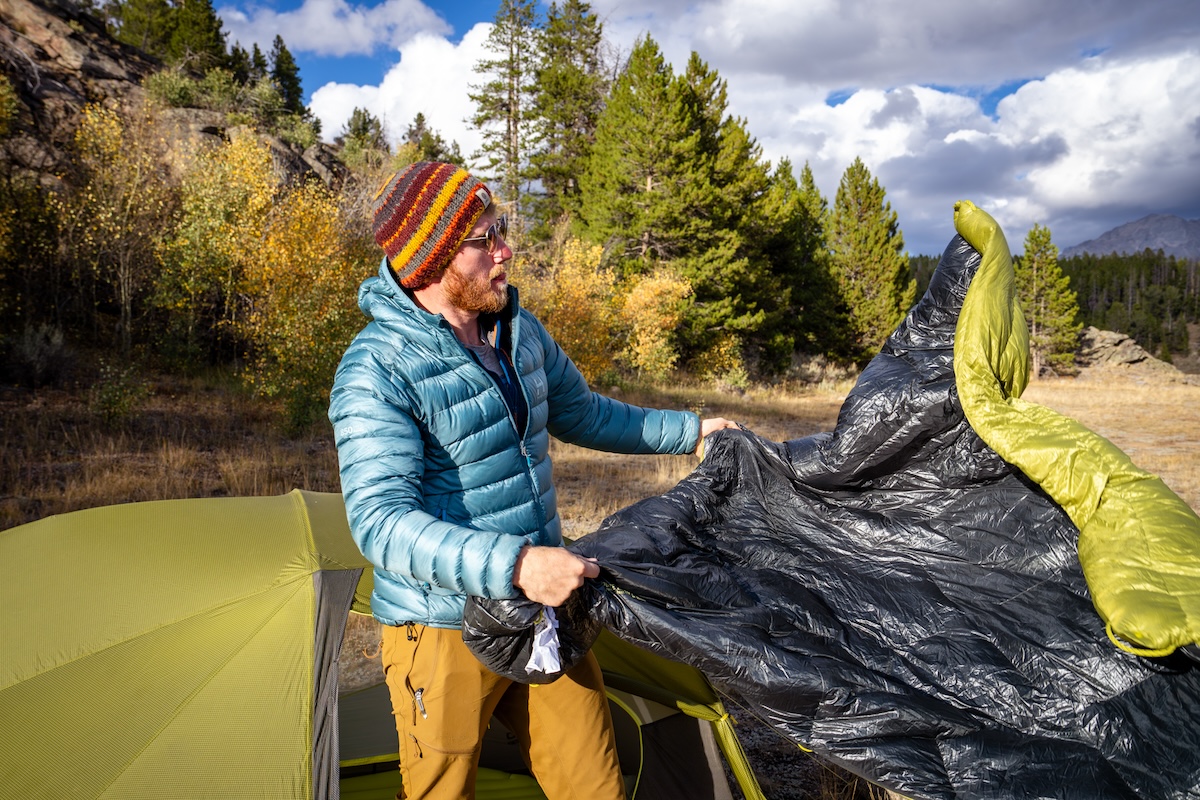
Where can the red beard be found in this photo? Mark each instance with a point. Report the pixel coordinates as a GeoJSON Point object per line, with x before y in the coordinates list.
{"type": "Point", "coordinates": [477, 295]}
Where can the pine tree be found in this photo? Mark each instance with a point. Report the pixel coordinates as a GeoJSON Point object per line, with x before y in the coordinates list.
{"type": "Point", "coordinates": [428, 145]}
{"type": "Point", "coordinates": [570, 91]}
{"type": "Point", "coordinates": [822, 322]}
{"type": "Point", "coordinates": [259, 68]}
{"type": "Point", "coordinates": [868, 261]}
{"type": "Point", "coordinates": [629, 201]}
{"type": "Point", "coordinates": [503, 104]}
{"type": "Point", "coordinates": [738, 299]}
{"type": "Point", "coordinates": [364, 145]}
{"type": "Point", "coordinates": [793, 215]}
{"type": "Point", "coordinates": [364, 127]}
{"type": "Point", "coordinates": [1050, 305]}
{"type": "Point", "coordinates": [145, 24]}
{"type": "Point", "coordinates": [286, 75]}
{"type": "Point", "coordinates": [238, 64]}
{"type": "Point", "coordinates": [672, 180]}
{"type": "Point", "coordinates": [196, 39]}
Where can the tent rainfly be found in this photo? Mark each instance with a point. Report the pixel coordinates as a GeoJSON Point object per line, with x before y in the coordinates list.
{"type": "Point", "coordinates": [189, 648]}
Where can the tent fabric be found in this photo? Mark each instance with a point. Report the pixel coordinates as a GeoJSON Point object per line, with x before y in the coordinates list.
{"type": "Point", "coordinates": [176, 648]}
{"type": "Point", "coordinates": [189, 648]}
{"type": "Point", "coordinates": [900, 598]}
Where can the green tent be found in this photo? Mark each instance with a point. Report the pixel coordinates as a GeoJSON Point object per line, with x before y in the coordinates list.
{"type": "Point", "coordinates": [189, 648]}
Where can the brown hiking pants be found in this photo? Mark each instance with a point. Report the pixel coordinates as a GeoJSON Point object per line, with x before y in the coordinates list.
{"type": "Point", "coordinates": [443, 700]}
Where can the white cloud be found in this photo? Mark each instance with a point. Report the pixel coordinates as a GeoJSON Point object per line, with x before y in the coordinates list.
{"type": "Point", "coordinates": [1123, 124]}
{"type": "Point", "coordinates": [1088, 143]}
{"type": "Point", "coordinates": [882, 43]}
{"type": "Point", "coordinates": [333, 27]}
{"type": "Point", "coordinates": [433, 77]}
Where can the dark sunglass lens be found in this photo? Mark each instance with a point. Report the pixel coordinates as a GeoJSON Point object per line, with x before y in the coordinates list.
{"type": "Point", "coordinates": [498, 229]}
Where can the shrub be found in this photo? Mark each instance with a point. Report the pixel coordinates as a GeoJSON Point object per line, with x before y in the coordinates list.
{"type": "Point", "coordinates": [297, 130]}
{"type": "Point", "coordinates": [226, 197]}
{"type": "Point", "coordinates": [724, 365]}
{"type": "Point", "coordinates": [572, 297]}
{"type": "Point", "coordinates": [303, 310]}
{"type": "Point", "coordinates": [236, 118]}
{"type": "Point", "coordinates": [264, 101]}
{"type": "Point", "coordinates": [41, 357]}
{"type": "Point", "coordinates": [653, 307]}
{"type": "Point", "coordinates": [172, 88]}
{"type": "Point", "coordinates": [219, 91]}
{"type": "Point", "coordinates": [118, 393]}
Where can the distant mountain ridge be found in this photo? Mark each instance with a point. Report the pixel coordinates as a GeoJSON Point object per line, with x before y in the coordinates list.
{"type": "Point", "coordinates": [1175, 236]}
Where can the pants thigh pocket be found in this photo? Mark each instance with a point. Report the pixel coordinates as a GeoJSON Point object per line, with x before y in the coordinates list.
{"type": "Point", "coordinates": [445, 689]}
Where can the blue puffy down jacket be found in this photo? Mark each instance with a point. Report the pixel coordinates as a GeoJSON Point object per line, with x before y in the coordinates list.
{"type": "Point", "coordinates": [441, 490]}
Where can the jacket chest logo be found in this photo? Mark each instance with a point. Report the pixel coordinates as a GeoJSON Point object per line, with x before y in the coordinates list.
{"type": "Point", "coordinates": [537, 385]}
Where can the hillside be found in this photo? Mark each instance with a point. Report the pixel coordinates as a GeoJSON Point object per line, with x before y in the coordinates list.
{"type": "Point", "coordinates": [59, 59]}
{"type": "Point", "coordinates": [1175, 236]}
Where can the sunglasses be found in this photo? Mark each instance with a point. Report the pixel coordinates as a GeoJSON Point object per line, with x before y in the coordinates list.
{"type": "Point", "coordinates": [497, 230]}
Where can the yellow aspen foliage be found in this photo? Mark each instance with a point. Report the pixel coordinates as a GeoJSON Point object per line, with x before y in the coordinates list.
{"type": "Point", "coordinates": [654, 304]}
{"type": "Point", "coordinates": [226, 197]}
{"type": "Point", "coordinates": [279, 270]}
{"type": "Point", "coordinates": [302, 288]}
{"type": "Point", "coordinates": [117, 203]}
{"type": "Point", "coordinates": [573, 297]}
{"type": "Point", "coordinates": [723, 363]}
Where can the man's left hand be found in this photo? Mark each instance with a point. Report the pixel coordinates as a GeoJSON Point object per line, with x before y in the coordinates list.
{"type": "Point", "coordinates": [708, 426]}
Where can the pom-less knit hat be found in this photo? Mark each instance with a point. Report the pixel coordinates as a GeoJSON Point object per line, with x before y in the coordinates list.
{"type": "Point", "coordinates": [422, 214]}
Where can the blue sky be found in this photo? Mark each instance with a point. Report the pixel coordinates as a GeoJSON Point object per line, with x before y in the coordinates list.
{"type": "Point", "coordinates": [1078, 116]}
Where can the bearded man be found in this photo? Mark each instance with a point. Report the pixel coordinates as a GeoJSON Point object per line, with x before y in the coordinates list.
{"type": "Point", "coordinates": [442, 409]}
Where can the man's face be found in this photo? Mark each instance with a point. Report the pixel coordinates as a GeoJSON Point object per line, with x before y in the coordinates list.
{"type": "Point", "coordinates": [476, 280]}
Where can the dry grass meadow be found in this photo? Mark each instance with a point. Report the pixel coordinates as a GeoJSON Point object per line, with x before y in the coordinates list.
{"type": "Point", "coordinates": [207, 438]}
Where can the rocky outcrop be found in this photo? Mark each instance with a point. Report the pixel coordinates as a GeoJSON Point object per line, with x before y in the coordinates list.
{"type": "Point", "coordinates": [1110, 350]}
{"type": "Point", "coordinates": [59, 59]}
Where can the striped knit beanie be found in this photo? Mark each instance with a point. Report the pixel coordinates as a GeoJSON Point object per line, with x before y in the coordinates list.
{"type": "Point", "coordinates": [422, 214]}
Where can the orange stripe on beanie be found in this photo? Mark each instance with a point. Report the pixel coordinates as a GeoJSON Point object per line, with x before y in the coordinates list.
{"type": "Point", "coordinates": [421, 216]}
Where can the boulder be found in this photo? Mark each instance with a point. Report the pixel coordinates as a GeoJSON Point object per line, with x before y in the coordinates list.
{"type": "Point", "coordinates": [1114, 351]}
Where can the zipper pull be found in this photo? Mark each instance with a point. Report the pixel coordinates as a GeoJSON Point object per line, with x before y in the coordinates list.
{"type": "Point", "coordinates": [421, 703]}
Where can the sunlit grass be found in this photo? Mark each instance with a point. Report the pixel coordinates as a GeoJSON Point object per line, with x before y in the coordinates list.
{"type": "Point", "coordinates": [187, 439]}
{"type": "Point", "coordinates": [205, 439]}
{"type": "Point", "coordinates": [1157, 424]}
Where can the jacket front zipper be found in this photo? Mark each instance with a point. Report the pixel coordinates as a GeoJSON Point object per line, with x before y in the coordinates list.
{"type": "Point", "coordinates": [529, 467]}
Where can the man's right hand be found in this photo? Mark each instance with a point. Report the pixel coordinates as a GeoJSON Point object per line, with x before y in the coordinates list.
{"type": "Point", "coordinates": [548, 575]}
